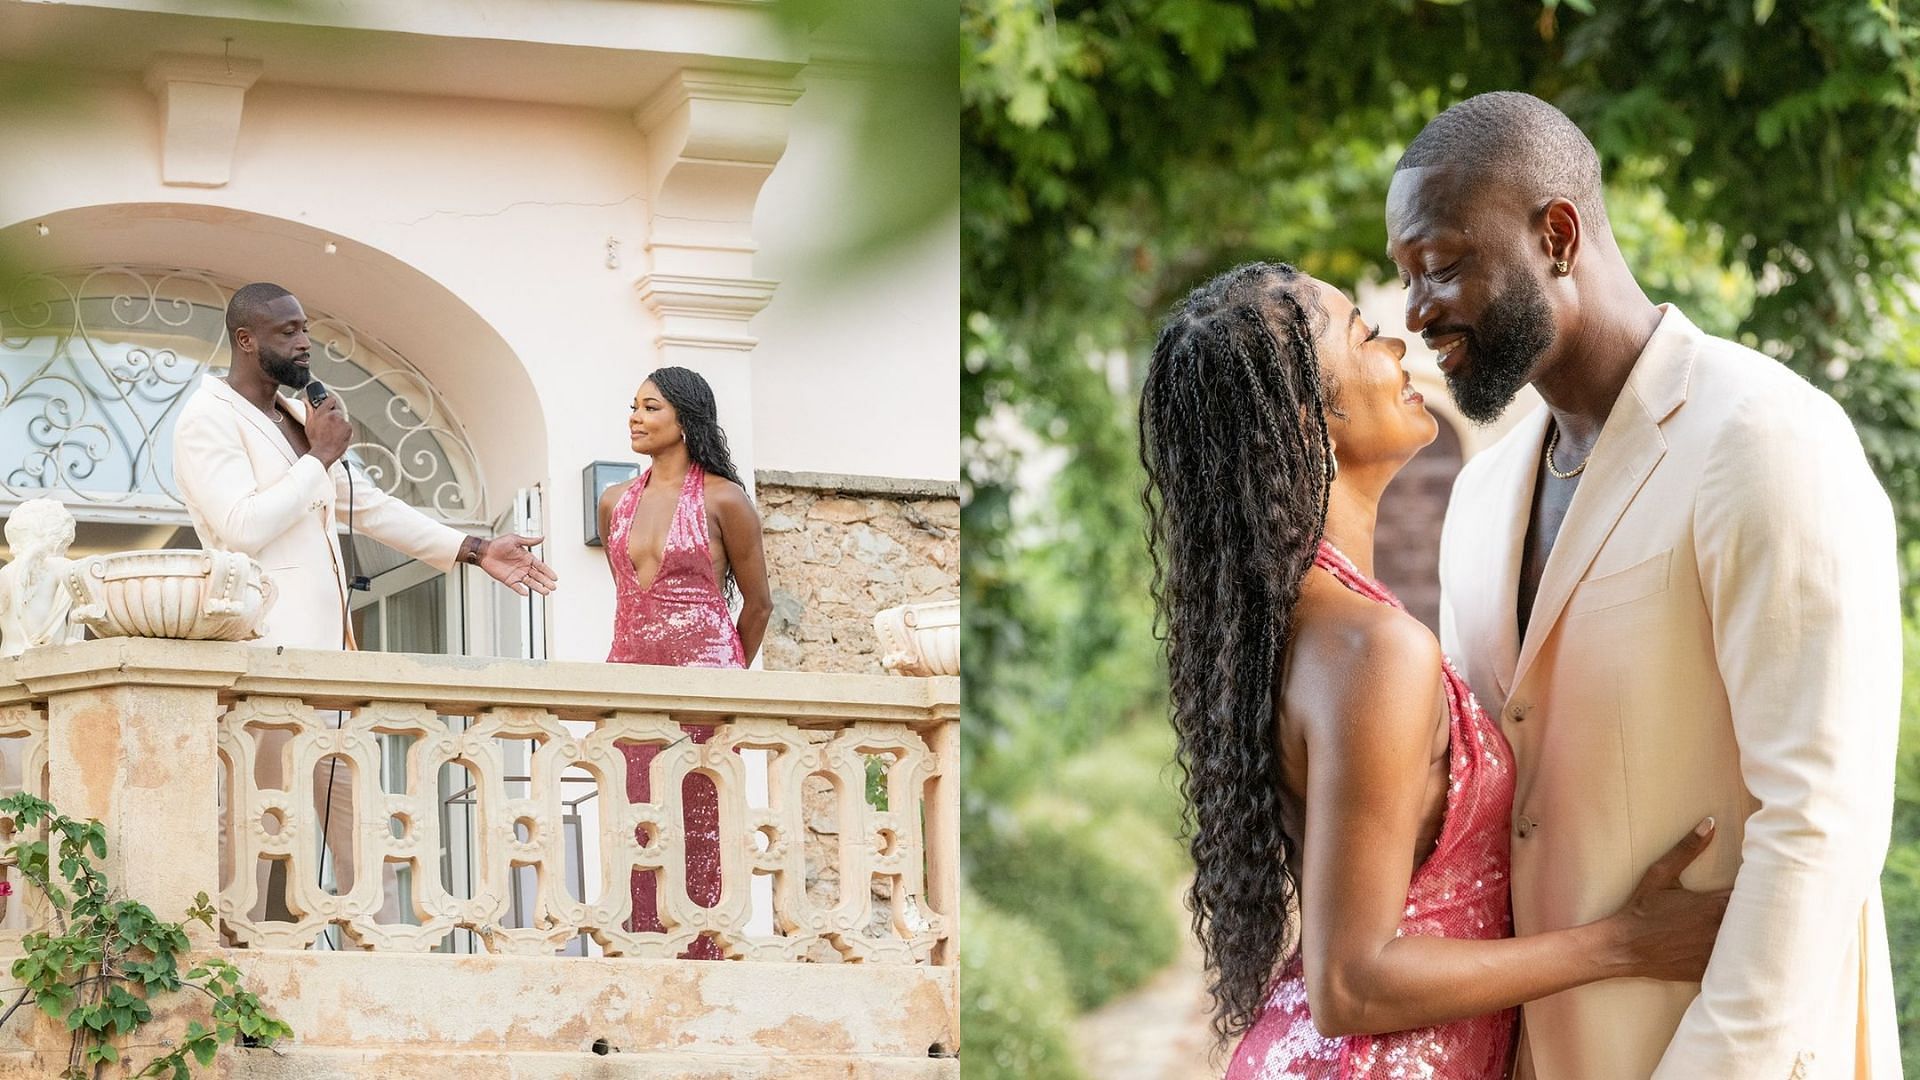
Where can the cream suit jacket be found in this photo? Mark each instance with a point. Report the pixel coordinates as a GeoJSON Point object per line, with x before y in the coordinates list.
{"type": "Point", "coordinates": [1717, 631]}
{"type": "Point", "coordinates": [247, 491]}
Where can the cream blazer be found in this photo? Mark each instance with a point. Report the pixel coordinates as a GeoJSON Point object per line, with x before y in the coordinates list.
{"type": "Point", "coordinates": [1717, 631]}
{"type": "Point", "coordinates": [247, 491]}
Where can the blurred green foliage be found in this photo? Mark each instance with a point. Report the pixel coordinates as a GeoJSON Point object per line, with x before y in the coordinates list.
{"type": "Point", "coordinates": [1099, 887]}
{"type": "Point", "coordinates": [1013, 993]}
{"type": "Point", "coordinates": [1900, 883]}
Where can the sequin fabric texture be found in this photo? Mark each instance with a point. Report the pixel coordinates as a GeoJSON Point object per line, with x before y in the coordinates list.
{"type": "Point", "coordinates": [1460, 891]}
{"type": "Point", "coordinates": [680, 620]}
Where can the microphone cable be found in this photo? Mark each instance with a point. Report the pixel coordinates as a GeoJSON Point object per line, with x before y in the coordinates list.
{"type": "Point", "coordinates": [361, 583]}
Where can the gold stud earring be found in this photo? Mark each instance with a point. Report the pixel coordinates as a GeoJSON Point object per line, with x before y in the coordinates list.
{"type": "Point", "coordinates": [1560, 267]}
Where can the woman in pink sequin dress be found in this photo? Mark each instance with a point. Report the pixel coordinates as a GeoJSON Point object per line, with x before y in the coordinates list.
{"type": "Point", "coordinates": [676, 539]}
{"type": "Point", "coordinates": [1349, 802]}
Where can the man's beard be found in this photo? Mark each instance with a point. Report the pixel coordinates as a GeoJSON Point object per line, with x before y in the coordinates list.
{"type": "Point", "coordinates": [1513, 333]}
{"type": "Point", "coordinates": [283, 370]}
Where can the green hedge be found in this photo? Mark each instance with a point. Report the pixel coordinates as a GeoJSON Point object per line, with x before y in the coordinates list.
{"type": "Point", "coordinates": [1900, 883]}
{"type": "Point", "coordinates": [1130, 770]}
{"type": "Point", "coordinates": [1100, 887]}
{"type": "Point", "coordinates": [1900, 887]}
{"type": "Point", "coordinates": [1015, 1009]}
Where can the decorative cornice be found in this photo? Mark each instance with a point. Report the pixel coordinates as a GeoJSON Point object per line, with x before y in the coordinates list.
{"type": "Point", "coordinates": [201, 98]}
{"type": "Point", "coordinates": [704, 297]}
{"type": "Point", "coordinates": [697, 84]}
{"type": "Point", "coordinates": [713, 138]}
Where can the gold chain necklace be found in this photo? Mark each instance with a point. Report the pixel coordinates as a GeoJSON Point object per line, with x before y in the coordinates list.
{"type": "Point", "coordinates": [1553, 440]}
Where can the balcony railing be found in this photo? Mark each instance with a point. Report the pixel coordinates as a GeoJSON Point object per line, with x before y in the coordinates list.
{"type": "Point", "coordinates": [491, 815]}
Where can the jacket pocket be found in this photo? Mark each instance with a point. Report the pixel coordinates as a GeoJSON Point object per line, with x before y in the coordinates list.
{"type": "Point", "coordinates": [1636, 582]}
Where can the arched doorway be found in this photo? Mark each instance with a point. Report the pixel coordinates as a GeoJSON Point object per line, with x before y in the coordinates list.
{"type": "Point", "coordinates": [95, 366]}
{"type": "Point", "coordinates": [101, 348]}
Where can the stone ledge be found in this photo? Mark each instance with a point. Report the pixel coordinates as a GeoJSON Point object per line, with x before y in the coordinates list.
{"type": "Point", "coordinates": [571, 690]}
{"type": "Point", "coordinates": [849, 484]}
{"type": "Point", "coordinates": [456, 1064]}
{"type": "Point", "coordinates": [369, 1012]}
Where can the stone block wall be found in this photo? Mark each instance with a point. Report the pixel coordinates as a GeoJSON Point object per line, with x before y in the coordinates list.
{"type": "Point", "coordinates": [840, 548]}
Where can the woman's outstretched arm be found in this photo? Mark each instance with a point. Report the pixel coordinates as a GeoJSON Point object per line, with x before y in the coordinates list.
{"type": "Point", "coordinates": [1364, 699]}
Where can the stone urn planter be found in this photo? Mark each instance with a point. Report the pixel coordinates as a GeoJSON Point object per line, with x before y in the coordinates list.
{"type": "Point", "coordinates": [920, 639]}
{"type": "Point", "coordinates": [198, 595]}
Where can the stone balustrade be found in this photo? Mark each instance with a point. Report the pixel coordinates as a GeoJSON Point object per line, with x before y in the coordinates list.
{"type": "Point", "coordinates": [491, 828]}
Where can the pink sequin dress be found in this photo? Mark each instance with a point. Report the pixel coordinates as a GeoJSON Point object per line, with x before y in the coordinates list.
{"type": "Point", "coordinates": [679, 620]}
{"type": "Point", "coordinates": [1460, 891]}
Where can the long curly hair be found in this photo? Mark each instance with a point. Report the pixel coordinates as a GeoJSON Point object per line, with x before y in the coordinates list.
{"type": "Point", "coordinates": [1233, 437]}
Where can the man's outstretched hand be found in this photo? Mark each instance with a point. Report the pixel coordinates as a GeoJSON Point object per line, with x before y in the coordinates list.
{"type": "Point", "coordinates": [509, 560]}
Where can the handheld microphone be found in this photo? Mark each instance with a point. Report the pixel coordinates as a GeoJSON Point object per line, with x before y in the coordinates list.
{"type": "Point", "coordinates": [317, 393]}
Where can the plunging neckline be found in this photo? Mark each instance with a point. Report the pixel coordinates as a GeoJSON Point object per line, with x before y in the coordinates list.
{"type": "Point", "coordinates": [666, 544]}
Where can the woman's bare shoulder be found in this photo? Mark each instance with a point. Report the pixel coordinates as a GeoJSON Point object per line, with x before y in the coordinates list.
{"type": "Point", "coordinates": [1353, 657]}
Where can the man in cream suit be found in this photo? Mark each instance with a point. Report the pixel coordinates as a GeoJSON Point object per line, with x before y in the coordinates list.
{"type": "Point", "coordinates": [264, 475]}
{"type": "Point", "coordinates": [1676, 587]}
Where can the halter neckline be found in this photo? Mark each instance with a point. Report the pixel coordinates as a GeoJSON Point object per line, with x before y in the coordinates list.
{"type": "Point", "coordinates": [1335, 562]}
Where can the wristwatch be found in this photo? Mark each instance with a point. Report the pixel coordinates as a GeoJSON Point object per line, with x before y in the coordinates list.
{"type": "Point", "coordinates": [470, 550]}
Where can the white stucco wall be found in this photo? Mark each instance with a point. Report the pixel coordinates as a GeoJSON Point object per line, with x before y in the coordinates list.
{"type": "Point", "coordinates": [505, 206]}
{"type": "Point", "coordinates": [858, 369]}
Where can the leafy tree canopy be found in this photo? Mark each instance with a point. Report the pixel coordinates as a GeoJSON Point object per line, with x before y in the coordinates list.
{"type": "Point", "coordinates": [1761, 165]}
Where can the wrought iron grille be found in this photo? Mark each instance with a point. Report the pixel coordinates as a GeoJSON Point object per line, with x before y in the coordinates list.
{"type": "Point", "coordinates": [96, 363]}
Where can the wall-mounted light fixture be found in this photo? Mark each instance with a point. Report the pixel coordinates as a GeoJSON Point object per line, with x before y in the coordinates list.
{"type": "Point", "coordinates": [595, 479]}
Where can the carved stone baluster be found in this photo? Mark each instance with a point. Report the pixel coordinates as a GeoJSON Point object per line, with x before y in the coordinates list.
{"type": "Point", "coordinates": [492, 897]}
{"type": "Point", "coordinates": [942, 840]}
{"type": "Point", "coordinates": [621, 852]}
{"type": "Point", "coordinates": [721, 761]}
{"type": "Point", "coordinates": [848, 922]}
{"type": "Point", "coordinates": [567, 917]}
{"type": "Point", "coordinates": [898, 833]}
{"type": "Point", "coordinates": [274, 735]}
{"type": "Point", "coordinates": [539, 815]}
{"type": "Point", "coordinates": [418, 847]}
{"type": "Point", "coordinates": [794, 916]}
{"type": "Point", "coordinates": [619, 822]}
{"type": "Point", "coordinates": [668, 773]}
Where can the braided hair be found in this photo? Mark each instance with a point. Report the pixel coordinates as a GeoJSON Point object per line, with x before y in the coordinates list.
{"type": "Point", "coordinates": [699, 416]}
{"type": "Point", "coordinates": [1233, 437]}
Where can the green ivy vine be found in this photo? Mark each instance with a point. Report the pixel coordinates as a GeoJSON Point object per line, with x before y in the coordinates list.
{"type": "Point", "coordinates": [105, 959]}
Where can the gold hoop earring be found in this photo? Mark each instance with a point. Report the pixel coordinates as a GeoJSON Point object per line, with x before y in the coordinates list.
{"type": "Point", "coordinates": [1333, 468]}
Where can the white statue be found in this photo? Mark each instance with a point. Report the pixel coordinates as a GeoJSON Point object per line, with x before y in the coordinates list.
{"type": "Point", "coordinates": [34, 600]}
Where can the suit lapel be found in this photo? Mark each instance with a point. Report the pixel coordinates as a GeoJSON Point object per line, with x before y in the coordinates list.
{"type": "Point", "coordinates": [1512, 504]}
{"type": "Point", "coordinates": [253, 417]}
{"type": "Point", "coordinates": [1630, 445]}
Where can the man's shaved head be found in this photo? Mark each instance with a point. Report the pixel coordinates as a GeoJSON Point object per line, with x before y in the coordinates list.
{"type": "Point", "coordinates": [1518, 139]}
{"type": "Point", "coordinates": [249, 301]}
